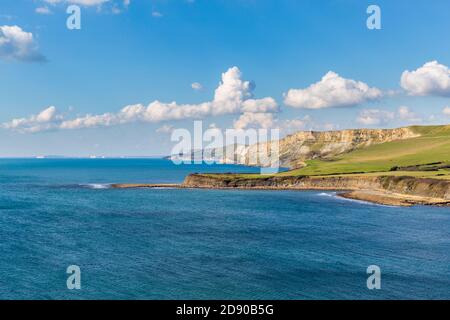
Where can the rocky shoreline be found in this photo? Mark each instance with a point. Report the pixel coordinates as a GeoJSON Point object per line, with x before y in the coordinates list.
{"type": "Point", "coordinates": [393, 199]}
{"type": "Point", "coordinates": [388, 190]}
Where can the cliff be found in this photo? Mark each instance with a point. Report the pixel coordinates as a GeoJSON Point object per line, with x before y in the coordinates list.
{"type": "Point", "coordinates": [395, 190]}
{"type": "Point", "coordinates": [403, 166]}
{"type": "Point", "coordinates": [307, 145]}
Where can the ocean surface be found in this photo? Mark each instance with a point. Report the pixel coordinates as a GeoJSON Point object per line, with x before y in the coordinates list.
{"type": "Point", "coordinates": [205, 244]}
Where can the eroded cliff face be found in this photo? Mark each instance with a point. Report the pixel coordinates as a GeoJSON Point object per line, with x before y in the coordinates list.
{"type": "Point", "coordinates": [306, 145]}
{"type": "Point", "coordinates": [432, 188]}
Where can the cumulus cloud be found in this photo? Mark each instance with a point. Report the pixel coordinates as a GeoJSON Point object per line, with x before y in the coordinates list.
{"type": "Point", "coordinates": [260, 105]}
{"type": "Point", "coordinates": [331, 91]}
{"type": "Point", "coordinates": [45, 120]}
{"type": "Point", "coordinates": [16, 44]}
{"type": "Point", "coordinates": [254, 121]}
{"type": "Point", "coordinates": [446, 111]}
{"type": "Point", "coordinates": [432, 78]}
{"type": "Point", "coordinates": [370, 117]}
{"type": "Point", "coordinates": [232, 96]}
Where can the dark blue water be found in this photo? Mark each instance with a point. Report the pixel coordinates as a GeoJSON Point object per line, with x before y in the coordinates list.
{"type": "Point", "coordinates": [212, 244]}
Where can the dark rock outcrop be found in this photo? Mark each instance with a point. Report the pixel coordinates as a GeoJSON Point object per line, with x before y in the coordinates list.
{"type": "Point", "coordinates": [431, 188]}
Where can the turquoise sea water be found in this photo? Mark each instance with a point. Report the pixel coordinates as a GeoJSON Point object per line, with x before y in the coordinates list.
{"type": "Point", "coordinates": [205, 244]}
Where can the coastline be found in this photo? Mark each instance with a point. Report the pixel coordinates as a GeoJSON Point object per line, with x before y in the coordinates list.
{"type": "Point", "coordinates": [392, 199]}
{"type": "Point", "coordinates": [386, 190]}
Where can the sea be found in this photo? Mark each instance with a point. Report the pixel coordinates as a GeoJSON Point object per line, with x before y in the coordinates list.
{"type": "Point", "coordinates": [205, 244]}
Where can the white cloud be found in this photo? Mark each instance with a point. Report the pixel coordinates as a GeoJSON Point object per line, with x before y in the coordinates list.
{"type": "Point", "coordinates": [430, 79]}
{"type": "Point", "coordinates": [301, 124]}
{"type": "Point", "coordinates": [17, 44]}
{"type": "Point", "coordinates": [254, 120]}
{"type": "Point", "coordinates": [47, 115]}
{"type": "Point", "coordinates": [382, 117]}
{"type": "Point", "coordinates": [404, 113]}
{"type": "Point", "coordinates": [371, 117]}
{"type": "Point", "coordinates": [270, 121]}
{"type": "Point", "coordinates": [331, 91]}
{"type": "Point", "coordinates": [232, 90]}
{"type": "Point", "coordinates": [446, 111]}
{"type": "Point", "coordinates": [46, 120]}
{"type": "Point", "coordinates": [260, 105]}
{"type": "Point", "coordinates": [288, 126]}
{"type": "Point", "coordinates": [197, 86]}
{"type": "Point", "coordinates": [43, 10]}
{"type": "Point", "coordinates": [232, 96]}
{"type": "Point", "coordinates": [294, 125]}
{"type": "Point", "coordinates": [116, 6]}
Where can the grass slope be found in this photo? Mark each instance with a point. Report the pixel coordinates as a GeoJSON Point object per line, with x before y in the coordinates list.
{"type": "Point", "coordinates": [432, 146]}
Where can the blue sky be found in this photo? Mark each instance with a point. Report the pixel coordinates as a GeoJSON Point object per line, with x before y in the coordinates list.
{"type": "Point", "coordinates": [136, 53]}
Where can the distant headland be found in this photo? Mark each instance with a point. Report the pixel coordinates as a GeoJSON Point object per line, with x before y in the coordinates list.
{"type": "Point", "coordinates": [405, 166]}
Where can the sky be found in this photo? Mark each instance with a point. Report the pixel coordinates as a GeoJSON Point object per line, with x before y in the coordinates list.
{"type": "Point", "coordinates": [138, 69]}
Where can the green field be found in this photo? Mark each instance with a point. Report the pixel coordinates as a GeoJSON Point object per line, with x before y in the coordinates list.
{"type": "Point", "coordinates": [433, 146]}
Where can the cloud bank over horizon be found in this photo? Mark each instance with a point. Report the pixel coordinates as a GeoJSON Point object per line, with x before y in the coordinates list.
{"type": "Point", "coordinates": [233, 96]}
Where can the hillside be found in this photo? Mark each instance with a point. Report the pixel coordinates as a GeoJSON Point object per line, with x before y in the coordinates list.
{"type": "Point", "coordinates": [302, 146]}
{"type": "Point", "coordinates": [419, 151]}
{"type": "Point", "coordinates": [426, 154]}
{"type": "Point", "coordinates": [406, 166]}
{"type": "Point", "coordinates": [400, 167]}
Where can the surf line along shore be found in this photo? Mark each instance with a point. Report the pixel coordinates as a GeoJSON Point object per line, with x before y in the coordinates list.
{"type": "Point", "coordinates": [386, 190]}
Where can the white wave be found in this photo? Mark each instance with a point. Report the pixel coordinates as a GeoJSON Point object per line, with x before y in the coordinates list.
{"type": "Point", "coordinates": [365, 202]}
{"type": "Point", "coordinates": [97, 185]}
{"type": "Point", "coordinates": [325, 194]}
{"type": "Point", "coordinates": [337, 197]}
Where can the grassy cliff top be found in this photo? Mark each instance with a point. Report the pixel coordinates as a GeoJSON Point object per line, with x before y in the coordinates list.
{"type": "Point", "coordinates": [423, 156]}
{"type": "Point", "coordinates": [433, 146]}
